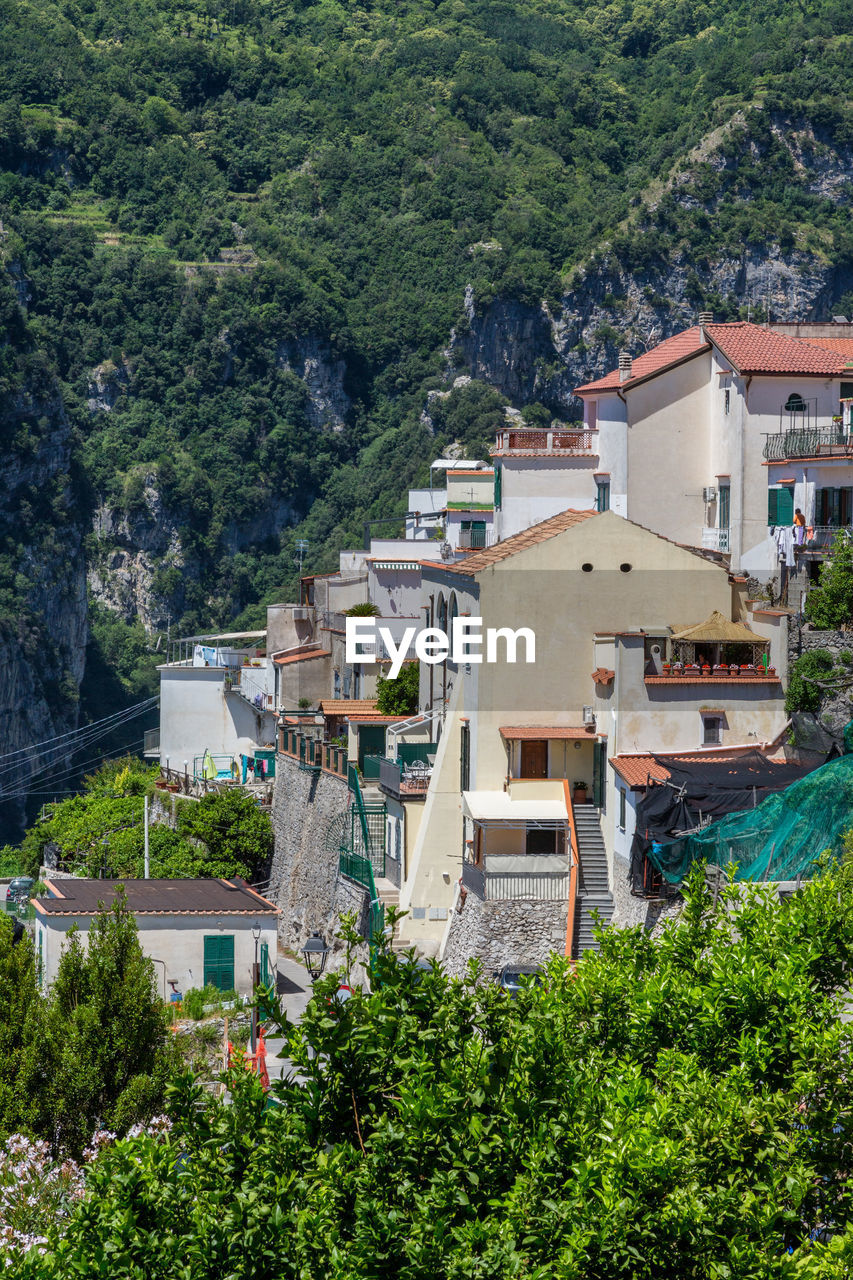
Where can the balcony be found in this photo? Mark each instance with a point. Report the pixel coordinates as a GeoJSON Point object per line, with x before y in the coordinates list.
{"type": "Point", "coordinates": [716, 540]}
{"type": "Point", "coordinates": [809, 442]}
{"type": "Point", "coordinates": [508, 877]}
{"type": "Point", "coordinates": [475, 539]}
{"type": "Point", "coordinates": [403, 781]}
{"type": "Point", "coordinates": [554, 443]}
{"type": "Point", "coordinates": [151, 743]}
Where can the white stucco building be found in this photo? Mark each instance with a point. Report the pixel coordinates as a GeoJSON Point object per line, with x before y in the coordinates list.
{"type": "Point", "coordinates": [715, 436]}
{"type": "Point", "coordinates": [196, 931]}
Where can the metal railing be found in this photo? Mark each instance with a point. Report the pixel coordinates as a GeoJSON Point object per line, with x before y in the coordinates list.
{"type": "Point", "coordinates": [492, 883]}
{"type": "Point", "coordinates": [400, 779]}
{"type": "Point", "coordinates": [239, 681]}
{"type": "Point", "coordinates": [810, 442]}
{"type": "Point", "coordinates": [823, 536]}
{"type": "Point", "coordinates": [551, 441]}
{"type": "Point", "coordinates": [715, 539]}
{"type": "Point", "coordinates": [151, 742]}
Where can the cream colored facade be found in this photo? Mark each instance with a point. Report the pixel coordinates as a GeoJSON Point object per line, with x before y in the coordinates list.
{"type": "Point", "coordinates": [668, 442]}
{"type": "Point", "coordinates": [579, 591]}
{"type": "Point", "coordinates": [174, 943]}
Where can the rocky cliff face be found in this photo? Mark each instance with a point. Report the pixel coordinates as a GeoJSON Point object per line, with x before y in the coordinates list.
{"type": "Point", "coordinates": [542, 352]}
{"type": "Point", "coordinates": [43, 618]}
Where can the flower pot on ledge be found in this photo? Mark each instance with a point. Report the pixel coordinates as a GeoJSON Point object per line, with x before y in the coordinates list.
{"type": "Point", "coordinates": [579, 793]}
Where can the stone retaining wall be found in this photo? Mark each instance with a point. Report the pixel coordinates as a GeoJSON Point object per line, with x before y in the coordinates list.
{"type": "Point", "coordinates": [502, 933]}
{"type": "Point", "coordinates": [304, 878]}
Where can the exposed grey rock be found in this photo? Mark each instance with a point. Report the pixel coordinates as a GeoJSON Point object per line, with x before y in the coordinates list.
{"type": "Point", "coordinates": [312, 359]}
{"type": "Point", "coordinates": [106, 383]}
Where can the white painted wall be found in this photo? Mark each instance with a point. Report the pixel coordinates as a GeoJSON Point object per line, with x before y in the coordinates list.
{"type": "Point", "coordinates": [176, 940]}
{"type": "Point", "coordinates": [196, 715]}
{"type": "Point", "coordinates": [532, 489]}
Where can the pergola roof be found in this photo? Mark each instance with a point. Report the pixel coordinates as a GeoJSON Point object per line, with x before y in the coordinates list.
{"type": "Point", "coordinates": [717, 629]}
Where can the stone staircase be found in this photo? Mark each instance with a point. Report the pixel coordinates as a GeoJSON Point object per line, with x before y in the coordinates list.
{"type": "Point", "coordinates": [593, 885]}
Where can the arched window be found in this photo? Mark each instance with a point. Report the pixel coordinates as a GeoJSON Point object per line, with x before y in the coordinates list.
{"type": "Point", "coordinates": [795, 403]}
{"type": "Point", "coordinates": [442, 613]}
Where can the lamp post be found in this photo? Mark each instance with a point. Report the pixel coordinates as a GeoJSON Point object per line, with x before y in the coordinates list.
{"type": "Point", "coordinates": [315, 952]}
{"type": "Point", "coordinates": [256, 933]}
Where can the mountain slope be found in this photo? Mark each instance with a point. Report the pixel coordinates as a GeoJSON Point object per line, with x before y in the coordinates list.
{"type": "Point", "coordinates": [249, 239]}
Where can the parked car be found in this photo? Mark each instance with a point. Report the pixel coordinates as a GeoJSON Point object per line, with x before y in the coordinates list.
{"type": "Point", "coordinates": [18, 892]}
{"type": "Point", "coordinates": [511, 976]}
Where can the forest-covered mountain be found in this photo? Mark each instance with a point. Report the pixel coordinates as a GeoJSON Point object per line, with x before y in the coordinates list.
{"type": "Point", "coordinates": [244, 239]}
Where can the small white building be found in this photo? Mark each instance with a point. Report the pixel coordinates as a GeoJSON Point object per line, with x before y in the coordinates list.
{"type": "Point", "coordinates": [196, 931]}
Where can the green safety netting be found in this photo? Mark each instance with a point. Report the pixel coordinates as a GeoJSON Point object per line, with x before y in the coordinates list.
{"type": "Point", "coordinates": [779, 839]}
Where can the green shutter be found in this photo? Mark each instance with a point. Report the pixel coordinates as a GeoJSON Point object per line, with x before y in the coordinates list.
{"type": "Point", "coordinates": [497, 484]}
{"type": "Point", "coordinates": [219, 961]}
{"type": "Point", "coordinates": [780, 505]}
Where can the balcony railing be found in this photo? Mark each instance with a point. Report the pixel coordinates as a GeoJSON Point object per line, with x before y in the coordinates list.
{"type": "Point", "coordinates": [823, 536]}
{"type": "Point", "coordinates": [475, 539]}
{"type": "Point", "coordinates": [505, 877]}
{"type": "Point", "coordinates": [812, 442]}
{"type": "Point", "coordinates": [401, 780]}
{"type": "Point", "coordinates": [715, 539]}
{"type": "Point", "coordinates": [555, 442]}
{"type": "Point", "coordinates": [151, 742]}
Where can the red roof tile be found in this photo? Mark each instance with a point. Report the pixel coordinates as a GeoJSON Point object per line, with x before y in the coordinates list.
{"type": "Point", "coordinates": [842, 346]}
{"type": "Point", "coordinates": [750, 348]}
{"type": "Point", "coordinates": [669, 352]}
{"type": "Point", "coordinates": [302, 657]}
{"type": "Point", "coordinates": [347, 706]}
{"type": "Point", "coordinates": [636, 770]}
{"type": "Point", "coordinates": [510, 546]}
{"type": "Point", "coordinates": [536, 733]}
{"type": "Point", "coordinates": [753, 349]}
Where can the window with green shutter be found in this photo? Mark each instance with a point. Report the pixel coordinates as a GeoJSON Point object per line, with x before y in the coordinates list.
{"type": "Point", "coordinates": [219, 961]}
{"type": "Point", "coordinates": [498, 474]}
{"type": "Point", "coordinates": [780, 505]}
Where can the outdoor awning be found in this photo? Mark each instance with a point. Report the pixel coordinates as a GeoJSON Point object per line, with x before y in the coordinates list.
{"type": "Point", "coordinates": [413, 565]}
{"type": "Point", "coordinates": [498, 806]}
{"type": "Point", "coordinates": [718, 629]}
{"type": "Point", "coordinates": [536, 733]}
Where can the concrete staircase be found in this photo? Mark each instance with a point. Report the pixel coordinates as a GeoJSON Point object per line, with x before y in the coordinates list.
{"type": "Point", "coordinates": [593, 885]}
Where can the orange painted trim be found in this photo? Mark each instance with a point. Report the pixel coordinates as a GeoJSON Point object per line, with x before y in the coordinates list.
{"type": "Point", "coordinates": [574, 866]}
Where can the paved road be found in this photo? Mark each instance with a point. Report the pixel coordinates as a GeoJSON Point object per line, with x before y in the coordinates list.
{"type": "Point", "coordinates": [294, 987]}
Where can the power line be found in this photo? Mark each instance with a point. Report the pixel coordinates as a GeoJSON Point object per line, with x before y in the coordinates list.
{"type": "Point", "coordinates": [68, 772]}
{"type": "Point", "coordinates": [81, 728]}
{"type": "Point", "coordinates": [88, 735]}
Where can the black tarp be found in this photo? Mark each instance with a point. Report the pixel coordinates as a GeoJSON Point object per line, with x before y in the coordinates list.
{"type": "Point", "coordinates": [702, 789]}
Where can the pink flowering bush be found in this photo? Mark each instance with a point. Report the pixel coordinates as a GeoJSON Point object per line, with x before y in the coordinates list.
{"type": "Point", "coordinates": [38, 1192]}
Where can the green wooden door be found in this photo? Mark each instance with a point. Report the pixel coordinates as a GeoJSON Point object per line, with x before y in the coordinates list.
{"type": "Point", "coordinates": [371, 742]}
{"type": "Point", "coordinates": [219, 961]}
{"type": "Point", "coordinates": [599, 774]}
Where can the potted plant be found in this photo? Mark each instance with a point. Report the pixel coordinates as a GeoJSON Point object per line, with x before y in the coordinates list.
{"type": "Point", "coordinates": [579, 792]}
{"type": "Point", "coordinates": [721, 669]}
{"type": "Point", "coordinates": [770, 671]}
{"type": "Point", "coordinates": [706, 668]}
{"type": "Point", "coordinates": [667, 668]}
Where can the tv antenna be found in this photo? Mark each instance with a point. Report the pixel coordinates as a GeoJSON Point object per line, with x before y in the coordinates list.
{"type": "Point", "coordinates": [302, 545]}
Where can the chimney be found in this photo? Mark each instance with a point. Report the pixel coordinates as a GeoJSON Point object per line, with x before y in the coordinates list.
{"type": "Point", "coordinates": [624, 366]}
{"type": "Point", "coordinates": [706, 317]}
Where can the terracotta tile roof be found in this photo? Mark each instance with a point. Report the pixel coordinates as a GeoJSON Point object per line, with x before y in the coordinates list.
{"type": "Point", "coordinates": [536, 732]}
{"type": "Point", "coordinates": [302, 657]}
{"type": "Point", "coordinates": [636, 770]}
{"type": "Point", "coordinates": [753, 349]}
{"type": "Point", "coordinates": [560, 456]}
{"type": "Point", "coordinates": [712, 679]}
{"type": "Point", "coordinates": [669, 352]}
{"type": "Point", "coordinates": [347, 706]}
{"type": "Point", "coordinates": [518, 542]}
{"type": "Point", "coordinates": [842, 346]}
{"type": "Point", "coordinates": [750, 347]}
{"type": "Point", "coordinates": [73, 897]}
{"type": "Point", "coordinates": [364, 717]}
{"type": "Point", "coordinates": [477, 471]}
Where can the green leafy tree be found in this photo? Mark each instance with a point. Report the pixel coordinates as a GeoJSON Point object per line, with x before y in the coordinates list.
{"type": "Point", "coordinates": [105, 1048]}
{"type": "Point", "coordinates": [809, 674]}
{"type": "Point", "coordinates": [399, 697]}
{"type": "Point", "coordinates": [232, 835]}
{"type": "Point", "coordinates": [19, 999]}
{"type": "Point", "coordinates": [830, 603]}
{"type": "Point", "coordinates": [676, 1105]}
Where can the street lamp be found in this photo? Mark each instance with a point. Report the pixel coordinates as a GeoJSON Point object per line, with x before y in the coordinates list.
{"type": "Point", "coordinates": [315, 952]}
{"type": "Point", "coordinates": [256, 933]}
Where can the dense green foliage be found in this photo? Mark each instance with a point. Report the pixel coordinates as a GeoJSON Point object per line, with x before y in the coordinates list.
{"type": "Point", "coordinates": [101, 830]}
{"type": "Point", "coordinates": [399, 697]}
{"type": "Point", "coordinates": [95, 1051]}
{"type": "Point", "coordinates": [830, 603]}
{"type": "Point", "coordinates": [674, 1106]}
{"type": "Point", "coordinates": [196, 201]}
{"type": "Point", "coordinates": [810, 674]}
